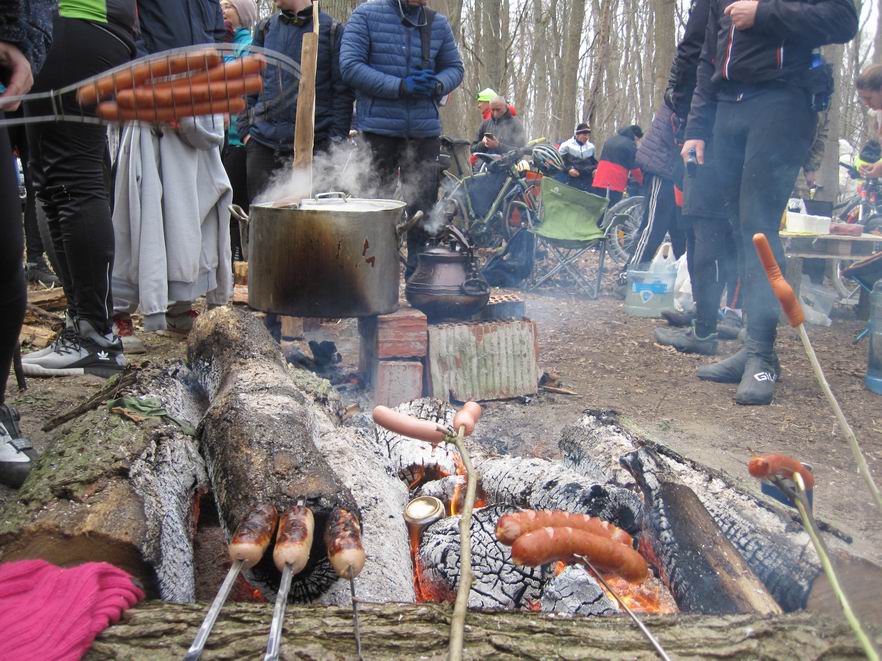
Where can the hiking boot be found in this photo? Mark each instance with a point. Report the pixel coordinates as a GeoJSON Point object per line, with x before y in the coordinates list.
{"type": "Point", "coordinates": [84, 351]}
{"type": "Point", "coordinates": [16, 453]}
{"type": "Point", "coordinates": [729, 326]}
{"type": "Point", "coordinates": [757, 387]}
{"type": "Point", "coordinates": [677, 318]}
{"type": "Point", "coordinates": [731, 369]}
{"type": "Point", "coordinates": [38, 273]}
{"type": "Point", "coordinates": [180, 322]}
{"type": "Point", "coordinates": [125, 331]}
{"type": "Point", "coordinates": [686, 340]}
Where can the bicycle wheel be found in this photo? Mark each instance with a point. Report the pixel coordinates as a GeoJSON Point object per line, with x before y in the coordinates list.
{"type": "Point", "coordinates": [623, 219]}
{"type": "Point", "coordinates": [847, 288]}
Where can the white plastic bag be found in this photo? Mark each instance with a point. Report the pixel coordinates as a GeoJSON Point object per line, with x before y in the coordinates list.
{"type": "Point", "coordinates": [682, 286]}
{"type": "Point", "coordinates": [664, 259]}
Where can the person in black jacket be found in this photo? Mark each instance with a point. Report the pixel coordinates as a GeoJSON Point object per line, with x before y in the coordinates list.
{"type": "Point", "coordinates": [617, 160]}
{"type": "Point", "coordinates": [758, 89]}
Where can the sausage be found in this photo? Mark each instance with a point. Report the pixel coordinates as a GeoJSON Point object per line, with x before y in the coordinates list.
{"type": "Point", "coordinates": [513, 525]}
{"type": "Point", "coordinates": [254, 534]}
{"type": "Point", "coordinates": [467, 417]}
{"type": "Point", "coordinates": [780, 466]}
{"type": "Point", "coordinates": [294, 539]}
{"type": "Point", "coordinates": [187, 93]}
{"type": "Point", "coordinates": [138, 73]}
{"type": "Point", "coordinates": [110, 111]}
{"type": "Point", "coordinates": [407, 425]}
{"type": "Point", "coordinates": [343, 541]}
{"type": "Point", "coordinates": [780, 287]}
{"type": "Point", "coordinates": [551, 544]}
{"type": "Point", "coordinates": [241, 68]}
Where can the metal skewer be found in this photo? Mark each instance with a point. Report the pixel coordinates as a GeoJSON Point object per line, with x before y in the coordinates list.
{"type": "Point", "coordinates": [646, 632]}
{"type": "Point", "coordinates": [274, 644]}
{"type": "Point", "coordinates": [198, 645]}
{"type": "Point", "coordinates": [355, 615]}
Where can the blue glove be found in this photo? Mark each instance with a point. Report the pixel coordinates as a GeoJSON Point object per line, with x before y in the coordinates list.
{"type": "Point", "coordinates": [416, 83]}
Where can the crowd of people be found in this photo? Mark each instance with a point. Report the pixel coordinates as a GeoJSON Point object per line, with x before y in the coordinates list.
{"type": "Point", "coordinates": [148, 227]}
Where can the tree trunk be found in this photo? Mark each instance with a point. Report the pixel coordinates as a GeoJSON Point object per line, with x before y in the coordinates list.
{"type": "Point", "coordinates": [596, 102]}
{"type": "Point", "coordinates": [163, 632]}
{"type": "Point", "coordinates": [828, 177]}
{"type": "Point", "coordinates": [570, 79]}
{"type": "Point", "coordinates": [492, 51]}
{"type": "Point", "coordinates": [665, 34]}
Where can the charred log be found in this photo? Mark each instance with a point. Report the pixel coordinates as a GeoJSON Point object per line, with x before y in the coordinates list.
{"type": "Point", "coordinates": [705, 573]}
{"type": "Point", "coordinates": [498, 583]}
{"type": "Point", "coordinates": [259, 439]}
{"type": "Point", "coordinates": [768, 537]}
{"type": "Point", "coordinates": [113, 490]}
{"type": "Point", "coordinates": [163, 632]}
{"type": "Point", "coordinates": [576, 592]}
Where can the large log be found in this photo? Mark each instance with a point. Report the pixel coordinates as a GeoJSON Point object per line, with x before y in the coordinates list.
{"type": "Point", "coordinates": [111, 490]}
{"type": "Point", "coordinates": [259, 439]}
{"type": "Point", "coordinates": [163, 632]}
{"type": "Point", "coordinates": [705, 573]}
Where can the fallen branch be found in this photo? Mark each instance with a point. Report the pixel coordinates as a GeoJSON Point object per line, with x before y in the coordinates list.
{"type": "Point", "coordinates": [110, 390]}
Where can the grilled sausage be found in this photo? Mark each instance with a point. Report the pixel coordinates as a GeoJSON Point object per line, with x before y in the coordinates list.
{"type": "Point", "coordinates": [186, 93]}
{"type": "Point", "coordinates": [294, 539]}
{"type": "Point", "coordinates": [407, 425]}
{"type": "Point", "coordinates": [110, 111]}
{"type": "Point", "coordinates": [467, 417]}
{"type": "Point", "coordinates": [551, 544]}
{"type": "Point", "coordinates": [780, 466]}
{"type": "Point", "coordinates": [513, 525]}
{"type": "Point", "coordinates": [254, 534]}
{"type": "Point", "coordinates": [137, 74]}
{"type": "Point", "coordinates": [343, 541]}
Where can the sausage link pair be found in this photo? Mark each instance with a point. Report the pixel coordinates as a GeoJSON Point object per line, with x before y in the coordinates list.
{"type": "Point", "coordinates": [188, 93]}
{"type": "Point", "coordinates": [779, 466]}
{"type": "Point", "coordinates": [110, 111]}
{"type": "Point", "coordinates": [294, 539]}
{"type": "Point", "coordinates": [253, 535]}
{"type": "Point", "coordinates": [343, 541]}
{"type": "Point", "coordinates": [540, 547]}
{"type": "Point", "coordinates": [513, 525]}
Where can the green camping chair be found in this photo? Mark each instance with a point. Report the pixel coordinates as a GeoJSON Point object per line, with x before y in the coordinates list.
{"type": "Point", "coordinates": [569, 227]}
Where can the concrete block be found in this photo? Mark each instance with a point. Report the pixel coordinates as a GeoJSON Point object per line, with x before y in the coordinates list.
{"type": "Point", "coordinates": [483, 360]}
{"type": "Point", "coordinates": [397, 381]}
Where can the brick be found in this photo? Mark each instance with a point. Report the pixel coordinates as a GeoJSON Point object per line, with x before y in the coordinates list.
{"type": "Point", "coordinates": [240, 273]}
{"type": "Point", "coordinates": [397, 381]}
{"type": "Point", "coordinates": [502, 306]}
{"type": "Point", "coordinates": [292, 327]}
{"type": "Point", "coordinates": [402, 334]}
{"type": "Point", "coordinates": [483, 360]}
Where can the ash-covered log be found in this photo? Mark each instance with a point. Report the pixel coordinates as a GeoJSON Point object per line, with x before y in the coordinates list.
{"type": "Point", "coordinates": [259, 439]}
{"type": "Point", "coordinates": [767, 536]}
{"type": "Point", "coordinates": [113, 490]}
{"type": "Point", "coordinates": [705, 573]}
{"type": "Point", "coordinates": [497, 583]}
{"type": "Point", "coordinates": [576, 592]}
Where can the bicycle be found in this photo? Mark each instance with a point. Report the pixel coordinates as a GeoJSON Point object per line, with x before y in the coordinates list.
{"type": "Point", "coordinates": [623, 218]}
{"type": "Point", "coordinates": [865, 207]}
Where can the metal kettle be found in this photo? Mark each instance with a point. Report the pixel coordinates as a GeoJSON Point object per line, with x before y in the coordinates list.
{"type": "Point", "coordinates": [446, 283]}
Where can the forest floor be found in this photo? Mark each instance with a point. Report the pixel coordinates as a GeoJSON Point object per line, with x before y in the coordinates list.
{"type": "Point", "coordinates": [611, 361]}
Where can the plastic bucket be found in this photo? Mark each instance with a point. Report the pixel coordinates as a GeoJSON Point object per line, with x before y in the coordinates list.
{"type": "Point", "coordinates": [650, 292]}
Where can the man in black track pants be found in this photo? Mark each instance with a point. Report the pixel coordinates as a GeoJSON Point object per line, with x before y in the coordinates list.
{"type": "Point", "coordinates": [757, 96]}
{"type": "Point", "coordinates": [25, 35]}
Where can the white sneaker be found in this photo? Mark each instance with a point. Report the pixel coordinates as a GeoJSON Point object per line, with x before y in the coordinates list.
{"type": "Point", "coordinates": [69, 328]}
{"type": "Point", "coordinates": [16, 453]}
{"type": "Point", "coordinates": [86, 352]}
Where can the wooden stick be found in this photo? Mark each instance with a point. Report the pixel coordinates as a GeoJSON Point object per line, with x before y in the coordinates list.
{"type": "Point", "coordinates": [109, 391]}
{"type": "Point", "coordinates": [304, 121]}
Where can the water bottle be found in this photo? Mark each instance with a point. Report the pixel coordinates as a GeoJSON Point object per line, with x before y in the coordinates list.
{"type": "Point", "coordinates": [873, 379]}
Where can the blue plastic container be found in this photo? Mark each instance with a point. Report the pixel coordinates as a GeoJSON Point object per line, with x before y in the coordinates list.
{"type": "Point", "coordinates": [873, 379]}
{"type": "Point", "coordinates": [650, 292]}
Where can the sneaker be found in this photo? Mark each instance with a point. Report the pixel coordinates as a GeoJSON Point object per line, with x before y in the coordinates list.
{"type": "Point", "coordinates": [757, 387]}
{"type": "Point", "coordinates": [40, 274]}
{"type": "Point", "coordinates": [181, 322]}
{"type": "Point", "coordinates": [68, 332]}
{"type": "Point", "coordinates": [686, 340]}
{"type": "Point", "coordinates": [678, 318]}
{"type": "Point", "coordinates": [16, 453]}
{"type": "Point", "coordinates": [124, 329]}
{"type": "Point", "coordinates": [82, 352]}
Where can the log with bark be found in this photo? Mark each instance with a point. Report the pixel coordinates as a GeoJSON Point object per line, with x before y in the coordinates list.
{"type": "Point", "coordinates": [109, 489]}
{"type": "Point", "coordinates": [163, 632]}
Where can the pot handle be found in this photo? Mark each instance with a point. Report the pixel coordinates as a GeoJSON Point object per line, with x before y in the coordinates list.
{"type": "Point", "coordinates": [402, 228]}
{"type": "Point", "coordinates": [337, 195]}
{"type": "Point", "coordinates": [239, 213]}
{"type": "Point", "coordinates": [475, 287]}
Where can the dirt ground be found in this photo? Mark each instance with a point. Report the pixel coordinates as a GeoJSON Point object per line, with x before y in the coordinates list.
{"type": "Point", "coordinates": [611, 361]}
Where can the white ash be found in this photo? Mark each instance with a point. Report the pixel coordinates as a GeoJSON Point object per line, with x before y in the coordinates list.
{"type": "Point", "coordinates": [576, 592]}
{"type": "Point", "coordinates": [593, 444]}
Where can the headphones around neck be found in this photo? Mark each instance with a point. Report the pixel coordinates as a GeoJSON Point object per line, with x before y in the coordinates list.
{"type": "Point", "coordinates": [290, 18]}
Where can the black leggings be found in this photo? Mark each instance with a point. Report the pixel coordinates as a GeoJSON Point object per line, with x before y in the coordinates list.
{"type": "Point", "coordinates": [70, 165]}
{"type": "Point", "coordinates": [714, 268]}
{"type": "Point", "coordinates": [13, 291]}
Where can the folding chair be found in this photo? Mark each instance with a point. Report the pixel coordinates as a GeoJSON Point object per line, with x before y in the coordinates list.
{"type": "Point", "coordinates": [570, 226]}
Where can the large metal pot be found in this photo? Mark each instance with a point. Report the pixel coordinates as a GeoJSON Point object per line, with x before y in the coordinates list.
{"type": "Point", "coordinates": [326, 257]}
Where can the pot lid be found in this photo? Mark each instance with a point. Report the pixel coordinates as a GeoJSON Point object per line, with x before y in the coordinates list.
{"type": "Point", "coordinates": [336, 204]}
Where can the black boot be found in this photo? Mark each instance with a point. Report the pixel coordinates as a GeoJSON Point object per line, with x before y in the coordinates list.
{"type": "Point", "coordinates": [757, 387]}
{"type": "Point", "coordinates": [731, 369]}
{"type": "Point", "coordinates": [686, 340]}
{"type": "Point", "coordinates": [678, 318]}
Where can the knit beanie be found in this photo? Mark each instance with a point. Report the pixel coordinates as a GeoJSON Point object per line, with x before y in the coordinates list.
{"type": "Point", "coordinates": [247, 11]}
{"type": "Point", "coordinates": [47, 612]}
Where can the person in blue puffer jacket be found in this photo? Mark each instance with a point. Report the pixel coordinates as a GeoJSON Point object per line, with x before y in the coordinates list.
{"type": "Point", "coordinates": [401, 58]}
{"type": "Point", "coordinates": [268, 126]}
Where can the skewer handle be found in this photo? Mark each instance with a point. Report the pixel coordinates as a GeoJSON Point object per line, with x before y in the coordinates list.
{"type": "Point", "coordinates": [780, 287]}
{"type": "Point", "coordinates": [198, 645]}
